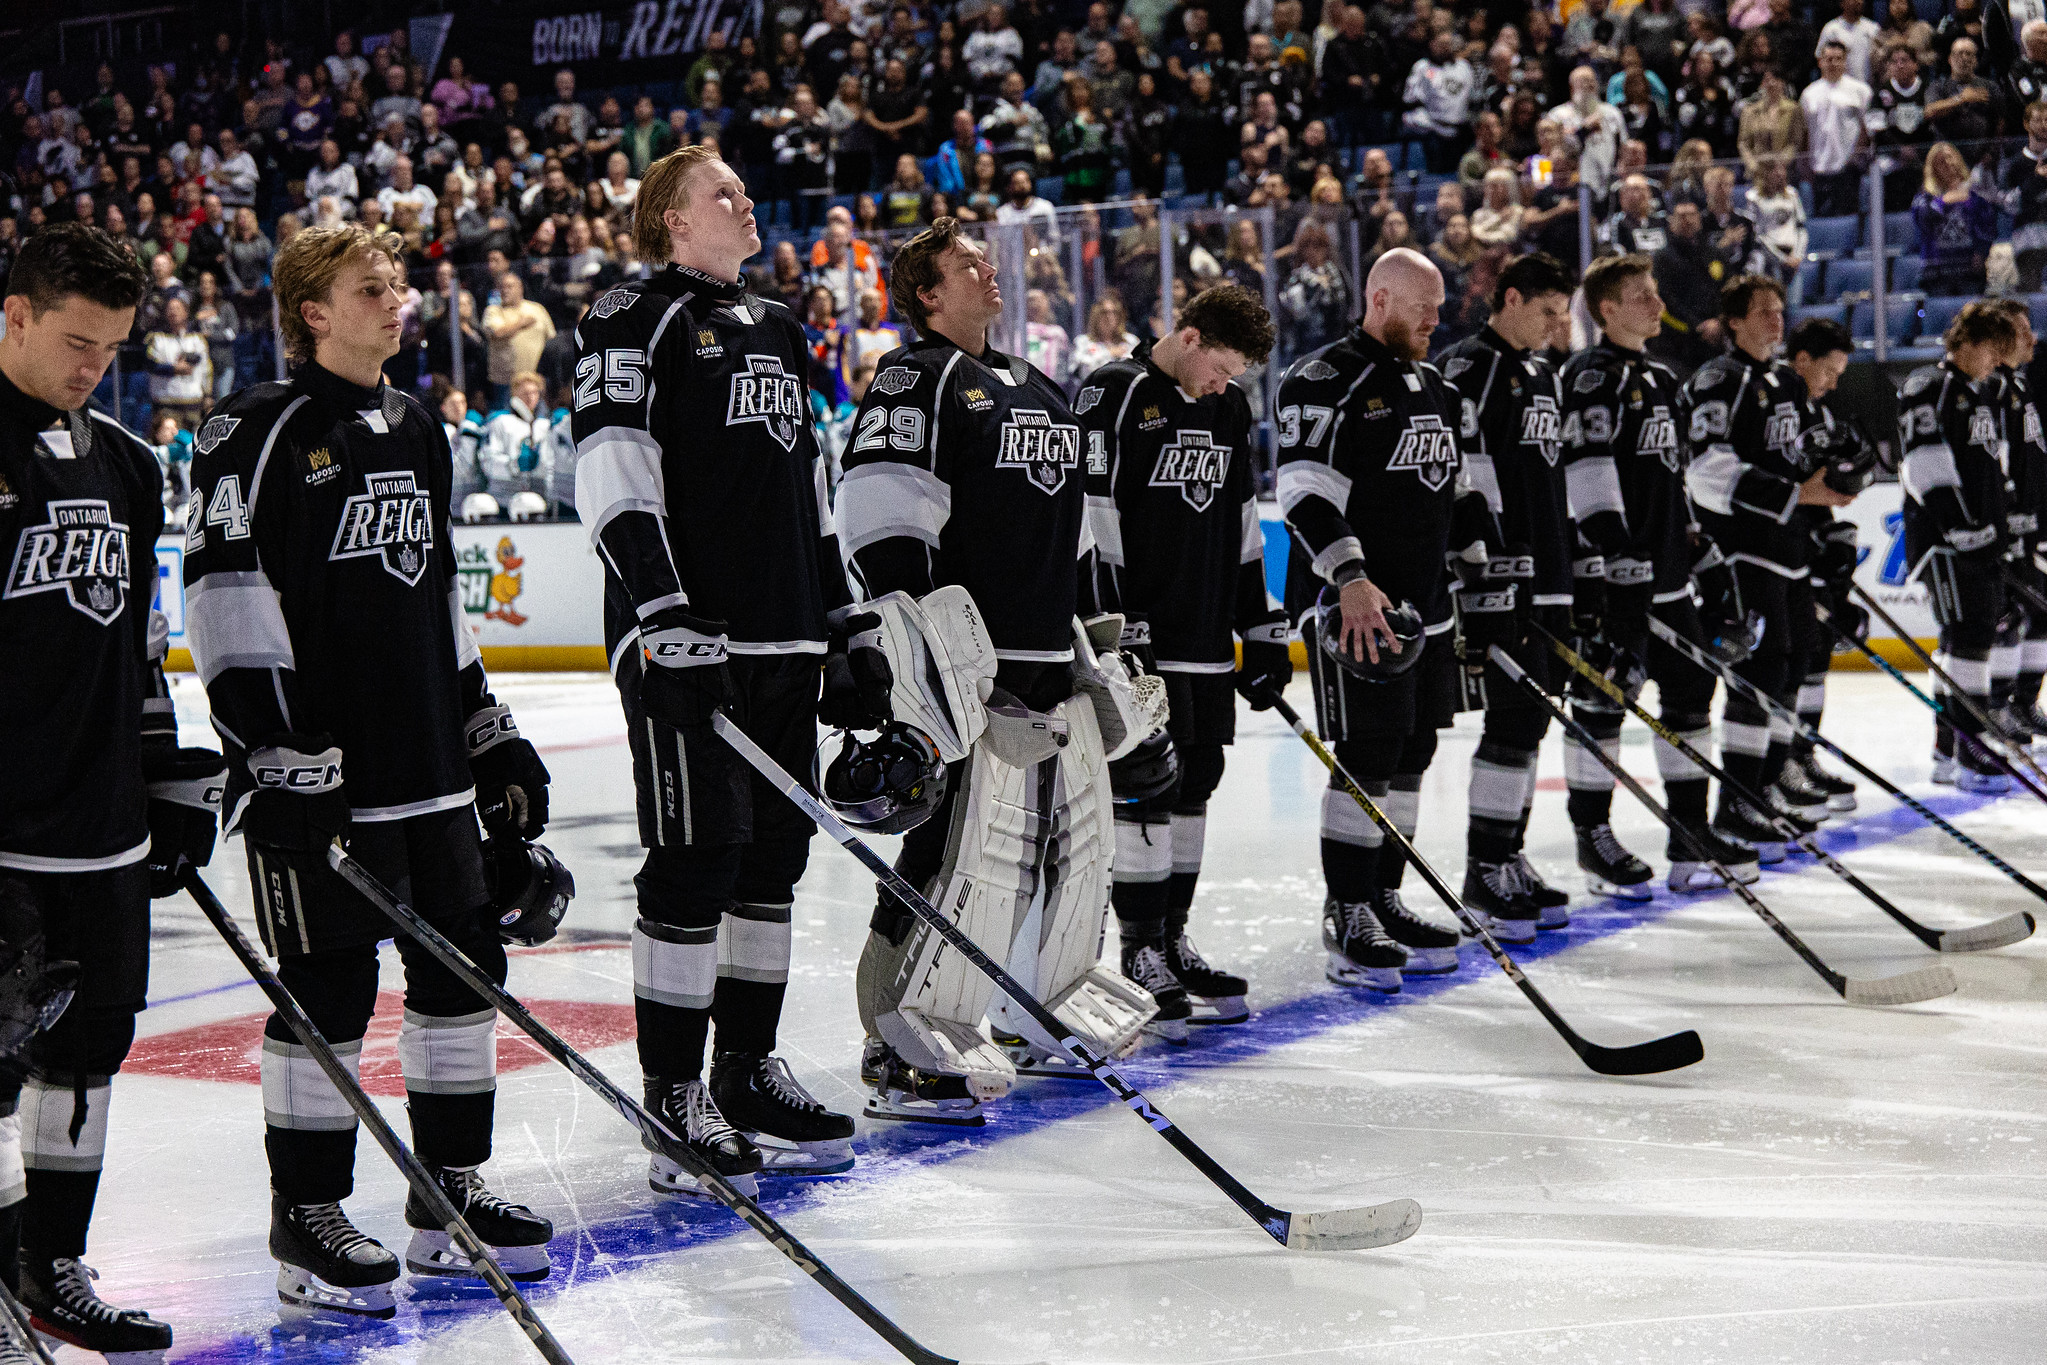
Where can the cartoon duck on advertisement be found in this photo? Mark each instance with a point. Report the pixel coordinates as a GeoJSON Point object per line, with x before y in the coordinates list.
{"type": "Point", "coordinates": [505, 585]}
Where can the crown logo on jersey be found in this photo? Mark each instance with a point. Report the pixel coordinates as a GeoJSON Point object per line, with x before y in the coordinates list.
{"type": "Point", "coordinates": [1043, 449]}
{"type": "Point", "coordinates": [82, 551]}
{"type": "Point", "coordinates": [1195, 465]}
{"type": "Point", "coordinates": [766, 393]}
{"type": "Point", "coordinates": [1428, 448]}
{"type": "Point", "coordinates": [391, 521]}
{"type": "Point", "coordinates": [614, 301]}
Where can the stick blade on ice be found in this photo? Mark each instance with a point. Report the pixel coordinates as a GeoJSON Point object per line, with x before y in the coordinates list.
{"type": "Point", "coordinates": [1928, 983]}
{"type": "Point", "coordinates": [1645, 1059]}
{"type": "Point", "coordinates": [1998, 933]}
{"type": "Point", "coordinates": [1378, 1225]}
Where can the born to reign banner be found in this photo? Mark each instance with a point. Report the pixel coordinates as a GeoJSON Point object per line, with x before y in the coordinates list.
{"type": "Point", "coordinates": [527, 40]}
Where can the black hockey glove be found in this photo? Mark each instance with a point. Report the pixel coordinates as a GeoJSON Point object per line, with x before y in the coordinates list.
{"type": "Point", "coordinates": [184, 810]}
{"type": "Point", "coordinates": [511, 781]}
{"type": "Point", "coordinates": [1490, 593]}
{"type": "Point", "coordinates": [1267, 667]}
{"type": "Point", "coordinates": [1835, 553]}
{"type": "Point", "coordinates": [297, 805]}
{"type": "Point", "coordinates": [1733, 632]}
{"type": "Point", "coordinates": [857, 678]}
{"type": "Point", "coordinates": [1136, 640]}
{"type": "Point", "coordinates": [1588, 594]}
{"type": "Point", "coordinates": [684, 677]}
{"type": "Point", "coordinates": [1629, 586]}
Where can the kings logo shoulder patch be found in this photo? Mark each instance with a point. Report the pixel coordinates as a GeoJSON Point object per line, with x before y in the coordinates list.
{"type": "Point", "coordinates": [894, 380]}
{"type": "Point", "coordinates": [1086, 401]}
{"type": "Point", "coordinates": [613, 301]}
{"type": "Point", "coordinates": [216, 430]}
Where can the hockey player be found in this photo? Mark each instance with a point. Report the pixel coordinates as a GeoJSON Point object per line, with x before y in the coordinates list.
{"type": "Point", "coordinates": [2021, 656]}
{"type": "Point", "coordinates": [721, 566]}
{"type": "Point", "coordinates": [1747, 414]}
{"type": "Point", "coordinates": [1368, 473]}
{"type": "Point", "coordinates": [326, 623]}
{"type": "Point", "coordinates": [1512, 424]}
{"type": "Point", "coordinates": [1624, 474]}
{"type": "Point", "coordinates": [964, 472]}
{"type": "Point", "coordinates": [101, 808]}
{"type": "Point", "coordinates": [1951, 433]}
{"type": "Point", "coordinates": [1178, 550]}
{"type": "Point", "coordinates": [1818, 352]}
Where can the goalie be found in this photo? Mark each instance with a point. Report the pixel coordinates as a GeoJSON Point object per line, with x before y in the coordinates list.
{"type": "Point", "coordinates": [962, 509]}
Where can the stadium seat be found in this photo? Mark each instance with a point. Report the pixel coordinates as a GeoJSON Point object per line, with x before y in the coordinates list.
{"type": "Point", "coordinates": [1811, 277]}
{"type": "Point", "coordinates": [1899, 233]}
{"type": "Point", "coordinates": [1905, 273]}
{"type": "Point", "coordinates": [1937, 314]}
{"type": "Point", "coordinates": [1826, 238]}
{"type": "Point", "coordinates": [1831, 312]}
{"type": "Point", "coordinates": [1901, 317]}
{"type": "Point", "coordinates": [2037, 303]}
{"type": "Point", "coordinates": [1848, 277]}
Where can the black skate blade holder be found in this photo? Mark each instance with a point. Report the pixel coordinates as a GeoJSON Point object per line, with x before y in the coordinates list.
{"type": "Point", "coordinates": [1366, 1227]}
{"type": "Point", "coordinates": [1649, 1058]}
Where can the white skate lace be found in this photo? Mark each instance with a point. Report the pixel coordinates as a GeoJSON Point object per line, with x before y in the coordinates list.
{"type": "Point", "coordinates": [467, 1191]}
{"type": "Point", "coordinates": [1504, 880]}
{"type": "Point", "coordinates": [1525, 874]}
{"type": "Point", "coordinates": [700, 1113]}
{"type": "Point", "coordinates": [1148, 969]}
{"type": "Point", "coordinates": [1360, 923]}
{"type": "Point", "coordinates": [1607, 846]}
{"type": "Point", "coordinates": [775, 1072]}
{"type": "Point", "coordinates": [1190, 956]}
{"type": "Point", "coordinates": [329, 1227]}
{"type": "Point", "coordinates": [72, 1281]}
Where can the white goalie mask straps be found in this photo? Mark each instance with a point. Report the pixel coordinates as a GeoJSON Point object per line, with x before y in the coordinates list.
{"type": "Point", "coordinates": [943, 663]}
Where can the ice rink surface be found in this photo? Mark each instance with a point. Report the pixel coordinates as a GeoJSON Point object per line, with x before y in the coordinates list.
{"type": "Point", "coordinates": [1831, 1183]}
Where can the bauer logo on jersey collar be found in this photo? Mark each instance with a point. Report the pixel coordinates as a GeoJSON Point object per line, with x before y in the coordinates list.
{"type": "Point", "coordinates": [80, 549]}
{"type": "Point", "coordinates": [614, 301]}
{"type": "Point", "coordinates": [767, 394]}
{"type": "Point", "coordinates": [1195, 465]}
{"type": "Point", "coordinates": [894, 380]}
{"type": "Point", "coordinates": [1428, 448]}
{"type": "Point", "coordinates": [392, 521]}
{"type": "Point", "coordinates": [216, 430]}
{"type": "Point", "coordinates": [1042, 448]}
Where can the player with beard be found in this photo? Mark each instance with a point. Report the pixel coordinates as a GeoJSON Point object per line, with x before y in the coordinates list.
{"type": "Point", "coordinates": [721, 569]}
{"type": "Point", "coordinates": [1369, 471]}
{"type": "Point", "coordinates": [102, 809]}
{"type": "Point", "coordinates": [326, 623]}
{"type": "Point", "coordinates": [1513, 421]}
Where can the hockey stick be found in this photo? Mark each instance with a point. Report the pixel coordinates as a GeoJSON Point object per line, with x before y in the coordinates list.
{"type": "Point", "coordinates": [1927, 983]}
{"type": "Point", "coordinates": [651, 1128]}
{"type": "Point", "coordinates": [1373, 1225]}
{"type": "Point", "coordinates": [1995, 933]}
{"type": "Point", "coordinates": [1989, 730]}
{"type": "Point", "coordinates": [2022, 588]}
{"type": "Point", "coordinates": [23, 1328]}
{"type": "Point", "coordinates": [1728, 782]}
{"type": "Point", "coordinates": [423, 1184]}
{"type": "Point", "coordinates": [1642, 1059]}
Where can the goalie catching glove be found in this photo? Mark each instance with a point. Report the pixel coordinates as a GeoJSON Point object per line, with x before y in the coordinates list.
{"type": "Point", "coordinates": [1129, 703]}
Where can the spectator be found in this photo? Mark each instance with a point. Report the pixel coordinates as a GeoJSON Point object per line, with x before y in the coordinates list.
{"type": "Point", "coordinates": [164, 288]}
{"type": "Point", "coordinates": [1551, 222]}
{"type": "Point", "coordinates": [821, 335]}
{"type": "Point", "coordinates": [206, 246]}
{"type": "Point", "coordinates": [1046, 343]}
{"type": "Point", "coordinates": [714, 63]}
{"type": "Point", "coordinates": [1636, 225]}
{"type": "Point", "coordinates": [828, 48]}
{"type": "Point", "coordinates": [1145, 129]}
{"type": "Point", "coordinates": [403, 190]}
{"type": "Point", "coordinates": [1687, 177]}
{"type": "Point", "coordinates": [518, 330]}
{"type": "Point", "coordinates": [1779, 216]}
{"type": "Point", "coordinates": [711, 117]}
{"type": "Point", "coordinates": [172, 446]}
{"type": "Point", "coordinates": [181, 153]}
{"type": "Point", "coordinates": [1690, 285]}
{"type": "Point", "coordinates": [1857, 36]}
{"type": "Point", "coordinates": [396, 102]}
{"type": "Point", "coordinates": [1114, 88]}
{"type": "Point", "coordinates": [994, 51]}
{"type": "Point", "coordinates": [1486, 154]}
{"type": "Point", "coordinates": [462, 102]}
{"type": "Point", "coordinates": [1455, 251]}
{"type": "Point", "coordinates": [1772, 124]}
{"type": "Point", "coordinates": [984, 193]}
{"type": "Point", "coordinates": [1589, 37]}
{"type": "Point", "coordinates": [307, 120]}
{"type": "Point", "coordinates": [180, 368]}
{"type": "Point", "coordinates": [1730, 229]}
{"type": "Point", "coordinates": [1314, 302]}
{"type": "Point", "coordinates": [2024, 182]}
{"type": "Point", "coordinates": [1498, 220]}
{"type": "Point", "coordinates": [2027, 78]}
{"type": "Point", "coordinates": [344, 64]}
{"type": "Point", "coordinates": [1902, 24]}
{"type": "Point", "coordinates": [1201, 134]}
{"type": "Point", "coordinates": [647, 138]}
{"type": "Point", "coordinates": [1438, 99]}
{"type": "Point", "coordinates": [233, 176]}
{"type": "Point", "coordinates": [1657, 30]}
{"type": "Point", "coordinates": [1642, 115]}
{"type": "Point", "coordinates": [1792, 42]}
{"type": "Point", "coordinates": [1899, 129]}
{"type": "Point", "coordinates": [852, 142]}
{"type": "Point", "coordinates": [565, 103]}
{"type": "Point", "coordinates": [213, 317]}
{"type": "Point", "coordinates": [1024, 206]}
{"type": "Point", "coordinates": [842, 265]}
{"type": "Point", "coordinates": [1244, 259]}
{"type": "Point", "coordinates": [434, 153]}
{"type": "Point", "coordinates": [1594, 126]}
{"type": "Point", "coordinates": [1449, 203]}
{"type": "Point", "coordinates": [1016, 128]}
{"type": "Point", "coordinates": [1108, 337]}
{"type": "Point", "coordinates": [1082, 146]}
{"type": "Point", "coordinates": [784, 283]}
{"type": "Point", "coordinates": [1353, 69]}
{"type": "Point", "coordinates": [1395, 231]}
{"type": "Point", "coordinates": [874, 336]}
{"type": "Point", "coordinates": [1961, 104]}
{"type": "Point", "coordinates": [896, 115]}
{"type": "Point", "coordinates": [1835, 108]}
{"type": "Point", "coordinates": [1048, 81]}
{"type": "Point", "coordinates": [1956, 226]}
{"type": "Point", "coordinates": [802, 159]}
{"type": "Point", "coordinates": [514, 439]}
{"type": "Point", "coordinates": [959, 153]}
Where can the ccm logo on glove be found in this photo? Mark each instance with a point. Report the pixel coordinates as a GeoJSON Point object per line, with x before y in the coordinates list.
{"type": "Point", "coordinates": [312, 776]}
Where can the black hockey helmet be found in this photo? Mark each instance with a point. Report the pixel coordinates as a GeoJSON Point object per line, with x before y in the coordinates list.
{"type": "Point", "coordinates": [529, 889]}
{"type": "Point", "coordinates": [1148, 773]}
{"type": "Point", "coordinates": [1847, 456]}
{"type": "Point", "coordinates": [887, 784]}
{"type": "Point", "coordinates": [1404, 621]}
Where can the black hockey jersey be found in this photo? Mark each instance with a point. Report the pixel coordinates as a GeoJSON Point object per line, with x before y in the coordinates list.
{"type": "Point", "coordinates": [735, 527]}
{"type": "Point", "coordinates": [964, 470]}
{"type": "Point", "coordinates": [1513, 422]}
{"type": "Point", "coordinates": [2025, 460]}
{"type": "Point", "coordinates": [1173, 512]}
{"type": "Point", "coordinates": [81, 505]}
{"type": "Point", "coordinates": [1952, 433]}
{"type": "Point", "coordinates": [321, 594]}
{"type": "Point", "coordinates": [1746, 419]}
{"type": "Point", "coordinates": [1369, 468]}
{"type": "Point", "coordinates": [1624, 467]}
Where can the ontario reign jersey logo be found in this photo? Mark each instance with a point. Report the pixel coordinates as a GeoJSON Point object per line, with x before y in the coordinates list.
{"type": "Point", "coordinates": [392, 521]}
{"type": "Point", "coordinates": [1541, 428]}
{"type": "Point", "coordinates": [1195, 465]}
{"type": "Point", "coordinates": [1428, 448]}
{"type": "Point", "coordinates": [80, 549]}
{"type": "Point", "coordinates": [1780, 428]}
{"type": "Point", "coordinates": [763, 392]}
{"type": "Point", "coordinates": [1659, 437]}
{"type": "Point", "coordinates": [1043, 449]}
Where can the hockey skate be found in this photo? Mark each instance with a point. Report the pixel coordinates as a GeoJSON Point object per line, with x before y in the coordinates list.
{"type": "Point", "coordinates": [1431, 949]}
{"type": "Point", "coordinates": [1216, 997]}
{"type": "Point", "coordinates": [1976, 772]}
{"type": "Point", "coordinates": [1145, 964]}
{"type": "Point", "coordinates": [1840, 792]}
{"type": "Point", "coordinates": [1493, 891]}
{"type": "Point", "coordinates": [1738, 824]}
{"type": "Point", "coordinates": [1361, 952]}
{"type": "Point", "coordinates": [1610, 869]}
{"type": "Point", "coordinates": [1688, 874]}
{"type": "Point", "coordinates": [1548, 899]}
{"type": "Point", "coordinates": [904, 1093]}
{"type": "Point", "coordinates": [516, 1236]}
{"type": "Point", "coordinates": [796, 1135]}
{"type": "Point", "coordinates": [692, 1115]}
{"type": "Point", "coordinates": [1793, 794]}
{"type": "Point", "coordinates": [63, 1307]}
{"type": "Point", "coordinates": [324, 1262]}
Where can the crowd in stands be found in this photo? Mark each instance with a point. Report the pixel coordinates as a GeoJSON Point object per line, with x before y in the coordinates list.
{"type": "Point", "coordinates": [1710, 137]}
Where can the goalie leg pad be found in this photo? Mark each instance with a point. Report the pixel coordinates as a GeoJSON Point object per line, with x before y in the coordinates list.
{"type": "Point", "coordinates": [942, 661]}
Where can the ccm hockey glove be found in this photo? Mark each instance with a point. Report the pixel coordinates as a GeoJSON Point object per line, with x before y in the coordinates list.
{"type": "Point", "coordinates": [184, 810]}
{"type": "Point", "coordinates": [685, 676]}
{"type": "Point", "coordinates": [1267, 668]}
{"type": "Point", "coordinates": [857, 678]}
{"type": "Point", "coordinates": [297, 805]}
{"type": "Point", "coordinates": [511, 781]}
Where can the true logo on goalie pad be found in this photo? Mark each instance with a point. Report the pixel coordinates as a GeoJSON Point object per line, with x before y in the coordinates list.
{"type": "Point", "coordinates": [1428, 448]}
{"type": "Point", "coordinates": [80, 549]}
{"type": "Point", "coordinates": [392, 521]}
{"type": "Point", "coordinates": [894, 380]}
{"type": "Point", "coordinates": [1195, 465]}
{"type": "Point", "coordinates": [767, 394]}
{"type": "Point", "coordinates": [1043, 449]}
